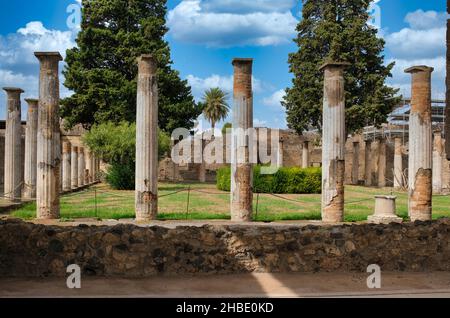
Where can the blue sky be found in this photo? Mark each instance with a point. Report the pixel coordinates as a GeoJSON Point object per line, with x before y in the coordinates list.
{"type": "Point", "coordinates": [206, 34]}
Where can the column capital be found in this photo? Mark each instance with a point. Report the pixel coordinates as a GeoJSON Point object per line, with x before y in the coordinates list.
{"type": "Point", "coordinates": [334, 64]}
{"type": "Point", "coordinates": [147, 64]}
{"type": "Point", "coordinates": [418, 69]}
{"type": "Point", "coordinates": [13, 90]}
{"type": "Point", "coordinates": [48, 56]}
{"type": "Point", "coordinates": [242, 61]}
{"type": "Point", "coordinates": [32, 102]}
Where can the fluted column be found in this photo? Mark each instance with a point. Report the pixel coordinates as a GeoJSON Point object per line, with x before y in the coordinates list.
{"type": "Point", "coordinates": [420, 145]}
{"type": "Point", "coordinates": [74, 167]}
{"type": "Point", "coordinates": [66, 166]}
{"type": "Point", "coordinates": [49, 148]}
{"type": "Point", "coordinates": [438, 151]}
{"type": "Point", "coordinates": [382, 163]}
{"type": "Point", "coordinates": [333, 148]}
{"type": "Point", "coordinates": [30, 173]}
{"type": "Point", "coordinates": [241, 167]}
{"type": "Point", "coordinates": [81, 167]}
{"type": "Point", "coordinates": [146, 195]}
{"type": "Point", "coordinates": [355, 165]}
{"type": "Point", "coordinates": [398, 164]}
{"type": "Point", "coordinates": [368, 163]}
{"type": "Point", "coordinates": [305, 155]}
{"type": "Point", "coordinates": [13, 144]}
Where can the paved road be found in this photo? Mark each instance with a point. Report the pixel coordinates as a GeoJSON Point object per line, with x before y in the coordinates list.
{"type": "Point", "coordinates": [240, 286]}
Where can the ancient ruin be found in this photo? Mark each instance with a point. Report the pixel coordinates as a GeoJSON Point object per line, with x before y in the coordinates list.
{"type": "Point", "coordinates": [420, 145]}
{"type": "Point", "coordinates": [333, 143]}
{"type": "Point", "coordinates": [241, 166]}
{"type": "Point", "coordinates": [147, 140]}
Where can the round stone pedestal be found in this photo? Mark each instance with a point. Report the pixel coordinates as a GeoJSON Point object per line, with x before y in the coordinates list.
{"type": "Point", "coordinates": [384, 210]}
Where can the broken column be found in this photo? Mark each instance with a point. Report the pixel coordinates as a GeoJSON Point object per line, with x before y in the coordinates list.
{"type": "Point", "coordinates": [13, 145]}
{"type": "Point", "coordinates": [147, 140]}
{"type": "Point", "coordinates": [398, 163]}
{"type": "Point", "coordinates": [438, 151]}
{"type": "Point", "coordinates": [241, 167]}
{"type": "Point", "coordinates": [420, 145]}
{"type": "Point", "coordinates": [66, 167]}
{"type": "Point", "coordinates": [81, 166]}
{"type": "Point", "coordinates": [355, 165]}
{"type": "Point", "coordinates": [305, 155]}
{"type": "Point", "coordinates": [333, 148]}
{"type": "Point", "coordinates": [385, 210]}
{"type": "Point", "coordinates": [368, 163]}
{"type": "Point", "coordinates": [74, 167]}
{"type": "Point", "coordinates": [30, 173]}
{"type": "Point", "coordinates": [447, 82]}
{"type": "Point", "coordinates": [49, 148]}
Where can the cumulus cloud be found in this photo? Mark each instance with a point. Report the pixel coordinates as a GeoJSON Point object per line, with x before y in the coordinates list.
{"type": "Point", "coordinates": [422, 43]}
{"type": "Point", "coordinates": [274, 101]}
{"type": "Point", "coordinates": [190, 22]}
{"type": "Point", "coordinates": [425, 36]}
{"type": "Point", "coordinates": [200, 85]}
{"type": "Point", "coordinates": [20, 46]}
{"type": "Point", "coordinates": [18, 65]}
{"type": "Point", "coordinates": [240, 6]}
{"type": "Point", "coordinates": [259, 123]}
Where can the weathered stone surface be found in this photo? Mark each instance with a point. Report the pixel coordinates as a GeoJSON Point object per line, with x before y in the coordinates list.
{"type": "Point", "coordinates": [49, 137]}
{"type": "Point", "coordinates": [30, 166]}
{"type": "Point", "coordinates": [333, 143]}
{"type": "Point", "coordinates": [36, 250]}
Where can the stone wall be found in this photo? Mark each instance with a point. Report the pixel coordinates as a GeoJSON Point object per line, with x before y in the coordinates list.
{"type": "Point", "coordinates": [33, 250]}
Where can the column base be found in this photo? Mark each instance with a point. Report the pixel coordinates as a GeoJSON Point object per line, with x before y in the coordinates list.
{"type": "Point", "coordinates": [384, 219]}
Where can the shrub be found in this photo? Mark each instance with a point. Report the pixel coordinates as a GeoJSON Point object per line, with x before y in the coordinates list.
{"type": "Point", "coordinates": [121, 176]}
{"type": "Point", "coordinates": [285, 180]}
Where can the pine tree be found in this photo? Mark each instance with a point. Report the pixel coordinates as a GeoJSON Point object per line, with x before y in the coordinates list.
{"type": "Point", "coordinates": [102, 69]}
{"type": "Point", "coordinates": [338, 30]}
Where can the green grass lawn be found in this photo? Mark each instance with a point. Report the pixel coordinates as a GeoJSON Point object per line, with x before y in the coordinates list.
{"type": "Point", "coordinates": [207, 203]}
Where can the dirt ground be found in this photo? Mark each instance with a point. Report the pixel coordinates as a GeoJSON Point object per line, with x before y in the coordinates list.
{"type": "Point", "coordinates": [435, 285]}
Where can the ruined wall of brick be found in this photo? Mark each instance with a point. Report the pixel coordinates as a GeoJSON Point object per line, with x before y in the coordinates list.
{"type": "Point", "coordinates": [29, 250]}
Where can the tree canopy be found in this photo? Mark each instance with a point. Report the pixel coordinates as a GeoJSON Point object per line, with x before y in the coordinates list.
{"type": "Point", "coordinates": [102, 69]}
{"type": "Point", "coordinates": [337, 30]}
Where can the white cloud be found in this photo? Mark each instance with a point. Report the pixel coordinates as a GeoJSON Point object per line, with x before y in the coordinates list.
{"type": "Point", "coordinates": [18, 65]}
{"type": "Point", "coordinates": [259, 123]}
{"type": "Point", "coordinates": [274, 101]}
{"type": "Point", "coordinates": [422, 43]}
{"type": "Point", "coordinates": [242, 6]}
{"type": "Point", "coordinates": [424, 38]}
{"type": "Point", "coordinates": [200, 85]}
{"type": "Point", "coordinates": [20, 46]}
{"type": "Point", "coordinates": [421, 20]}
{"type": "Point", "coordinates": [190, 22]}
{"type": "Point", "coordinates": [402, 80]}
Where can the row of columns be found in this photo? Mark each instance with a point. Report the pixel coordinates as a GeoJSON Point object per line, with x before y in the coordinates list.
{"type": "Point", "coordinates": [420, 146]}
{"type": "Point", "coordinates": [43, 176]}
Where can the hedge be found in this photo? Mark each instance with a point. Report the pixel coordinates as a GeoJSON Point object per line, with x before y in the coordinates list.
{"type": "Point", "coordinates": [285, 180]}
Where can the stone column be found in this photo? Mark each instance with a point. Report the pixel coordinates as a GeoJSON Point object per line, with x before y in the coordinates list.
{"type": "Point", "coordinates": [382, 163]}
{"type": "Point", "coordinates": [420, 145]}
{"type": "Point", "coordinates": [333, 148]}
{"type": "Point", "coordinates": [66, 167]}
{"type": "Point", "coordinates": [368, 163]}
{"type": "Point", "coordinates": [147, 140]}
{"type": "Point", "coordinates": [305, 155]}
{"type": "Point", "coordinates": [447, 80]}
{"type": "Point", "coordinates": [13, 145]}
{"type": "Point", "coordinates": [438, 152]}
{"type": "Point", "coordinates": [355, 166]}
{"type": "Point", "coordinates": [280, 157]}
{"type": "Point", "coordinates": [88, 177]}
{"type": "Point", "coordinates": [81, 166]}
{"type": "Point", "coordinates": [74, 168]}
{"type": "Point", "coordinates": [49, 148]}
{"type": "Point", "coordinates": [30, 173]}
{"type": "Point", "coordinates": [202, 165]}
{"type": "Point", "coordinates": [375, 161]}
{"type": "Point", "coordinates": [241, 167]}
{"type": "Point", "coordinates": [398, 164]}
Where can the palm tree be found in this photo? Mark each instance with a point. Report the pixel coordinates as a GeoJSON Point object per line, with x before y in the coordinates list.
{"type": "Point", "coordinates": [216, 107]}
